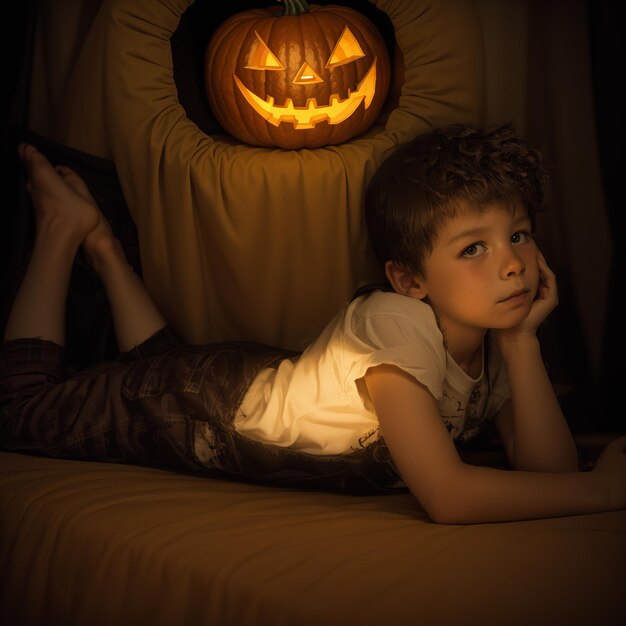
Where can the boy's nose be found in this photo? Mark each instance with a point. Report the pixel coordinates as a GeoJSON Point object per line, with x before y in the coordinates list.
{"type": "Point", "coordinates": [513, 265]}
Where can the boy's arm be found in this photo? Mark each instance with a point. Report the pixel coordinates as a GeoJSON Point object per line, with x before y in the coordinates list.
{"type": "Point", "coordinates": [453, 492]}
{"type": "Point", "coordinates": [541, 439]}
{"type": "Point", "coordinates": [531, 425]}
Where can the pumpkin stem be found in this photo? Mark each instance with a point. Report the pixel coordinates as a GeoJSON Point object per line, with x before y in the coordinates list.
{"type": "Point", "coordinates": [294, 7]}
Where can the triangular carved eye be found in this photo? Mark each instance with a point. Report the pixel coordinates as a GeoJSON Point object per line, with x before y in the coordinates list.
{"type": "Point", "coordinates": [346, 50]}
{"type": "Point", "coordinates": [262, 58]}
{"type": "Point", "coordinates": [306, 75]}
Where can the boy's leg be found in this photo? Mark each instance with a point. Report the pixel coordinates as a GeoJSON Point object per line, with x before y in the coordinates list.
{"type": "Point", "coordinates": [135, 316]}
{"type": "Point", "coordinates": [62, 220]}
{"type": "Point", "coordinates": [66, 215]}
{"type": "Point", "coordinates": [42, 410]}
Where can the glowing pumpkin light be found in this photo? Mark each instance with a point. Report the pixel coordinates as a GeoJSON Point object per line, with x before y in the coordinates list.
{"type": "Point", "coordinates": [302, 80]}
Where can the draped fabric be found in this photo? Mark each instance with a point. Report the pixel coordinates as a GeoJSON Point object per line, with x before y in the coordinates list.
{"type": "Point", "coordinates": [251, 243]}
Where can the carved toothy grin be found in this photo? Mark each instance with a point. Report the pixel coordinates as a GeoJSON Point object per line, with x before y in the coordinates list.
{"type": "Point", "coordinates": [308, 116]}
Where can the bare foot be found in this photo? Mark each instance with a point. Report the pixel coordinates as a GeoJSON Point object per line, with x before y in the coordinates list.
{"type": "Point", "coordinates": [75, 182]}
{"type": "Point", "coordinates": [57, 205]}
{"type": "Point", "coordinates": [101, 240]}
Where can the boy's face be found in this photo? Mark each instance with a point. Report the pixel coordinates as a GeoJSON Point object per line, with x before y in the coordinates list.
{"type": "Point", "coordinates": [482, 272]}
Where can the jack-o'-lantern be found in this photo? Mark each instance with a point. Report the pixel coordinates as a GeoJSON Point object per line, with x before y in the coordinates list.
{"type": "Point", "coordinates": [297, 81]}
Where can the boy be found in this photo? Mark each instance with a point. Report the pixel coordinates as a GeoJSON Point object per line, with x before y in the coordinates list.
{"type": "Point", "coordinates": [411, 369]}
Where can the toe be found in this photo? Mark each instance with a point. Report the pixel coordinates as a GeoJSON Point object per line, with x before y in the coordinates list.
{"type": "Point", "coordinates": [31, 156]}
{"type": "Point", "coordinates": [27, 150]}
{"type": "Point", "coordinates": [64, 172]}
{"type": "Point", "coordinates": [75, 182]}
{"type": "Point", "coordinates": [64, 169]}
{"type": "Point", "coordinates": [21, 151]}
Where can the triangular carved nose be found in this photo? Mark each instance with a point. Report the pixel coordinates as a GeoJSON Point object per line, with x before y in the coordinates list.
{"type": "Point", "coordinates": [307, 76]}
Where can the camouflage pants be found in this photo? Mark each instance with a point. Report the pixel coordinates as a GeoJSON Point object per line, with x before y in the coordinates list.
{"type": "Point", "coordinates": [164, 404]}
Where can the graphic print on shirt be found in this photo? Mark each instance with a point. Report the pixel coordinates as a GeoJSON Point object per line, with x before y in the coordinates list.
{"type": "Point", "coordinates": [367, 439]}
{"type": "Point", "coordinates": [464, 423]}
{"type": "Point", "coordinates": [452, 412]}
{"type": "Point", "coordinates": [475, 411]}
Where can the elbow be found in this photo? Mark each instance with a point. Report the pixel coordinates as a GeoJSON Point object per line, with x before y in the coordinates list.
{"type": "Point", "coordinates": [441, 518]}
{"type": "Point", "coordinates": [446, 515]}
{"type": "Point", "coordinates": [446, 510]}
{"type": "Point", "coordinates": [444, 500]}
{"type": "Point", "coordinates": [454, 513]}
{"type": "Point", "coordinates": [452, 504]}
{"type": "Point", "coordinates": [573, 462]}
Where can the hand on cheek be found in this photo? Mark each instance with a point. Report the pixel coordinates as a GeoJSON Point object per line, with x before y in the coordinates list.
{"type": "Point", "coordinates": [546, 297]}
{"type": "Point", "coordinates": [545, 300]}
{"type": "Point", "coordinates": [546, 289]}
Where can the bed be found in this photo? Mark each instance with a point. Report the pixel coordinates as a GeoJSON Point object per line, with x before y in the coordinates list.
{"type": "Point", "coordinates": [101, 544]}
{"type": "Point", "coordinates": [95, 543]}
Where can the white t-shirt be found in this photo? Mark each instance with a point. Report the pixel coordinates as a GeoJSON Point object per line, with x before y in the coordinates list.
{"type": "Point", "coordinates": [318, 402]}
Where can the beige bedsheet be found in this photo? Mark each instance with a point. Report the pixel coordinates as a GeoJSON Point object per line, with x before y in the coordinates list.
{"type": "Point", "coordinates": [102, 544]}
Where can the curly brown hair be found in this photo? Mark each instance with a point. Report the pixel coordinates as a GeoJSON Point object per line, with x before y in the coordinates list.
{"type": "Point", "coordinates": [431, 178]}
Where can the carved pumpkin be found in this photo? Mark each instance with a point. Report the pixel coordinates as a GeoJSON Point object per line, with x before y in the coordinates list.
{"type": "Point", "coordinates": [297, 81]}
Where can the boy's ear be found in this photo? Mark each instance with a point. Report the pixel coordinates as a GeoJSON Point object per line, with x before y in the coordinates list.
{"type": "Point", "coordinates": [405, 282]}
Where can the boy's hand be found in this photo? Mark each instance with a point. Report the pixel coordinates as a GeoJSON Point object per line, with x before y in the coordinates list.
{"type": "Point", "coordinates": [545, 301]}
{"type": "Point", "coordinates": [611, 467]}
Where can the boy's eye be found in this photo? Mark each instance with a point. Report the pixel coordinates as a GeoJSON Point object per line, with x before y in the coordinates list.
{"type": "Point", "coordinates": [476, 249]}
{"type": "Point", "coordinates": [521, 236]}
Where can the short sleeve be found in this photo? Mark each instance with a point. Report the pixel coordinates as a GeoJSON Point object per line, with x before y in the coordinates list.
{"type": "Point", "coordinates": [401, 331]}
